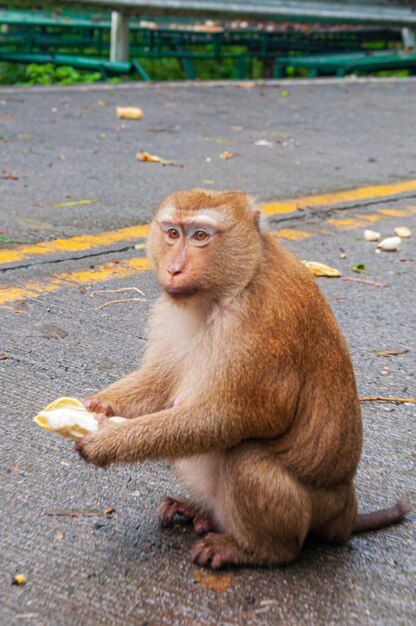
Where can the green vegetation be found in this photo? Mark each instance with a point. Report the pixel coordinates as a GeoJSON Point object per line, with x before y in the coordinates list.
{"type": "Point", "coordinates": [158, 69]}
{"type": "Point", "coordinates": [47, 74]}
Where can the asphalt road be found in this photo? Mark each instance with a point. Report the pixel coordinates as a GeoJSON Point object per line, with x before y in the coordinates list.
{"type": "Point", "coordinates": [65, 146]}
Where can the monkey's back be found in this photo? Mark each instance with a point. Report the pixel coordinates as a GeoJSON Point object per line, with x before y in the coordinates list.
{"type": "Point", "coordinates": [322, 444]}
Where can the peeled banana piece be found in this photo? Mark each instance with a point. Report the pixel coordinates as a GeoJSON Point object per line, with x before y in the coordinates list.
{"type": "Point", "coordinates": [68, 417]}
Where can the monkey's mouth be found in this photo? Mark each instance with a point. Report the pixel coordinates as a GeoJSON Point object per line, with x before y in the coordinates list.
{"type": "Point", "coordinates": [181, 292]}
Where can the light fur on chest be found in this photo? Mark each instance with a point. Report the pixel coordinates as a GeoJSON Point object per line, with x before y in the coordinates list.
{"type": "Point", "coordinates": [200, 476]}
{"type": "Point", "coordinates": [188, 336]}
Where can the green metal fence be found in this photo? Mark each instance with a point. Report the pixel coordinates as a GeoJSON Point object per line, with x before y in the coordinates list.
{"type": "Point", "coordinates": [85, 38]}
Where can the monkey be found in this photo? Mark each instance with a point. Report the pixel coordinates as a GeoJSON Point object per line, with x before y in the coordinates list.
{"type": "Point", "coordinates": [246, 388]}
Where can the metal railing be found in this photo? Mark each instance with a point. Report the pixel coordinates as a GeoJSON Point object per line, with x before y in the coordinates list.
{"type": "Point", "coordinates": [401, 13]}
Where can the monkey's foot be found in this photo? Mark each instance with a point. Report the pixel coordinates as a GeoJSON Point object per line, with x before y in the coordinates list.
{"type": "Point", "coordinates": [217, 550]}
{"type": "Point", "coordinates": [169, 507]}
{"type": "Point", "coordinates": [99, 406]}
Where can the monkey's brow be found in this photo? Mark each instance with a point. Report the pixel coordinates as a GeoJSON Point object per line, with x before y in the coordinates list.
{"type": "Point", "coordinates": [201, 221]}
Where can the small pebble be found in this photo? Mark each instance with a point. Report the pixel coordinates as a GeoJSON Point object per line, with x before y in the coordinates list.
{"type": "Point", "coordinates": [371, 235]}
{"type": "Point", "coordinates": [403, 232]}
{"type": "Point", "coordinates": [391, 244]}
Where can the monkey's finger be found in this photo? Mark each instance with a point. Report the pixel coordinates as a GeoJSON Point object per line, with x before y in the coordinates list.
{"type": "Point", "coordinates": [98, 406]}
{"type": "Point", "coordinates": [91, 403]}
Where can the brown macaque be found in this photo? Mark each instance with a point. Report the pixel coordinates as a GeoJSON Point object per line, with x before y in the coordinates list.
{"type": "Point", "coordinates": [247, 388]}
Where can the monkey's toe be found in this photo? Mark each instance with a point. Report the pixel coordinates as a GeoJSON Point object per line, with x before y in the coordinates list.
{"type": "Point", "coordinates": [203, 524]}
{"type": "Point", "coordinates": [169, 507]}
{"type": "Point", "coordinates": [216, 550]}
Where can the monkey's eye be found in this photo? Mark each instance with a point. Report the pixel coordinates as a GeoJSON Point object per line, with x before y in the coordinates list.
{"type": "Point", "coordinates": [200, 236]}
{"type": "Point", "coordinates": [172, 233]}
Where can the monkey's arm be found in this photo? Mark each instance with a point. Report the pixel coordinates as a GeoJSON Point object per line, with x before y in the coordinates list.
{"type": "Point", "coordinates": [144, 391]}
{"type": "Point", "coordinates": [171, 433]}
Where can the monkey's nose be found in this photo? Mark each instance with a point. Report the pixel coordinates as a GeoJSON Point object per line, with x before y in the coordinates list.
{"type": "Point", "coordinates": [173, 271]}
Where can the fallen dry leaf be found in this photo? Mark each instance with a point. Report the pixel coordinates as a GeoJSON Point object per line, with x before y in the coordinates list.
{"type": "Point", "coordinates": [146, 157]}
{"type": "Point", "coordinates": [9, 176]}
{"type": "Point", "coordinates": [109, 510]}
{"type": "Point", "coordinates": [320, 269]}
{"type": "Point", "coordinates": [388, 399]}
{"type": "Point", "coordinates": [216, 582]}
{"type": "Point", "coordinates": [388, 353]}
{"type": "Point", "coordinates": [129, 113]}
{"type": "Point", "coordinates": [226, 155]}
{"type": "Point", "coordinates": [4, 357]}
{"type": "Point", "coordinates": [246, 84]}
{"type": "Point", "coordinates": [19, 579]}
{"type": "Point", "coordinates": [49, 331]}
{"type": "Point", "coordinates": [73, 203]}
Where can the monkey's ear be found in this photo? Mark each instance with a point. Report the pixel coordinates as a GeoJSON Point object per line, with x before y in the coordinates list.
{"type": "Point", "coordinates": [259, 219]}
{"type": "Point", "coordinates": [256, 214]}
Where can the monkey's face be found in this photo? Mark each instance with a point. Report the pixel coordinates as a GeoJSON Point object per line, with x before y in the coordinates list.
{"type": "Point", "coordinates": [202, 250]}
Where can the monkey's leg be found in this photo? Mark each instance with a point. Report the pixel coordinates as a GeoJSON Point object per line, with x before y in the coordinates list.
{"type": "Point", "coordinates": [169, 507]}
{"type": "Point", "coordinates": [338, 528]}
{"type": "Point", "coordinates": [264, 511]}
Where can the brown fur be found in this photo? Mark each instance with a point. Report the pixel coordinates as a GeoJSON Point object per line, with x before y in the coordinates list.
{"type": "Point", "coordinates": [247, 387]}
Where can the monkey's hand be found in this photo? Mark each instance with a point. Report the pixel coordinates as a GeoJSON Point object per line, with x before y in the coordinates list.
{"type": "Point", "coordinates": [101, 448]}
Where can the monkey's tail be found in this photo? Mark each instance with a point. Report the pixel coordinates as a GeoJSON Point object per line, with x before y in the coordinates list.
{"type": "Point", "coordinates": [384, 517]}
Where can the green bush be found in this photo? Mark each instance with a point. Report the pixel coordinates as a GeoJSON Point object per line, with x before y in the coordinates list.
{"type": "Point", "coordinates": [44, 74]}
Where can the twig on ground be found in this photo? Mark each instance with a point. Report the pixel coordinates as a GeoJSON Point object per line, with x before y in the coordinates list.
{"type": "Point", "coordinates": [120, 290]}
{"type": "Point", "coordinates": [396, 352]}
{"type": "Point", "coordinates": [354, 279]}
{"type": "Point", "coordinates": [122, 300]}
{"type": "Point", "coordinates": [388, 399]}
{"type": "Point", "coordinates": [99, 291]}
{"type": "Point", "coordinates": [87, 513]}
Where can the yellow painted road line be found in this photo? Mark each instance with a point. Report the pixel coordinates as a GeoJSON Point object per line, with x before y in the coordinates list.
{"type": "Point", "coordinates": [291, 234]}
{"type": "Point", "coordinates": [364, 221]}
{"type": "Point", "coordinates": [130, 233]}
{"type": "Point", "coordinates": [55, 282]}
{"type": "Point", "coordinates": [130, 267]}
{"type": "Point", "coordinates": [338, 197]}
{"type": "Point", "coordinates": [73, 244]}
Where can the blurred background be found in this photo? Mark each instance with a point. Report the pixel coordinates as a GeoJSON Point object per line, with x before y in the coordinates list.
{"type": "Point", "coordinates": [117, 40]}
